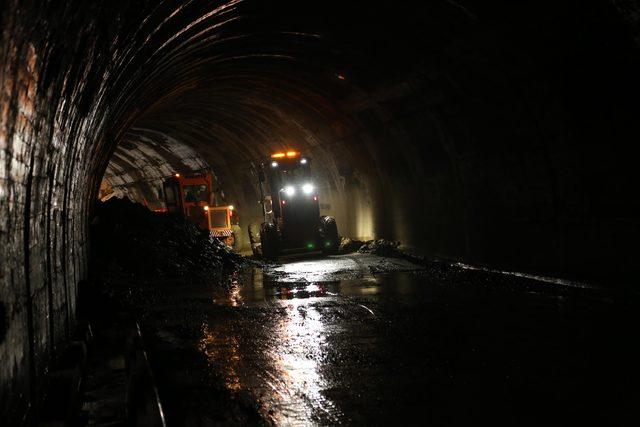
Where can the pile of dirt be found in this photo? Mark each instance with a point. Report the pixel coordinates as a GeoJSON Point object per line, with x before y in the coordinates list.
{"type": "Point", "coordinates": [381, 247]}
{"type": "Point", "coordinates": [348, 245]}
{"type": "Point", "coordinates": [128, 239]}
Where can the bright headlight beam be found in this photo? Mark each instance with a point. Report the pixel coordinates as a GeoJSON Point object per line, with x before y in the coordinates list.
{"type": "Point", "coordinates": [289, 190]}
{"type": "Point", "coordinates": [307, 188]}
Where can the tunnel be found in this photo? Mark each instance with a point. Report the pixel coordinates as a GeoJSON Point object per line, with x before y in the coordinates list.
{"type": "Point", "coordinates": [488, 133]}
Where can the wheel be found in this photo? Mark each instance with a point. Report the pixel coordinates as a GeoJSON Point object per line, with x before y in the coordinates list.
{"type": "Point", "coordinates": [254, 238]}
{"type": "Point", "coordinates": [269, 241]}
{"type": "Point", "coordinates": [231, 240]}
{"type": "Point", "coordinates": [330, 240]}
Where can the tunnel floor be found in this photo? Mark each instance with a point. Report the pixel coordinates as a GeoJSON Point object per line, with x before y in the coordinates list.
{"type": "Point", "coordinates": [360, 339]}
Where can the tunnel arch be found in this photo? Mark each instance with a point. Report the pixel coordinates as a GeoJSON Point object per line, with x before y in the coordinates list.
{"type": "Point", "coordinates": [140, 163]}
{"type": "Point", "coordinates": [491, 132]}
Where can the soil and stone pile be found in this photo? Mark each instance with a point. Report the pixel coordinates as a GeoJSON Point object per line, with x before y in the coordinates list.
{"type": "Point", "coordinates": [381, 247]}
{"type": "Point", "coordinates": [348, 245]}
{"type": "Point", "coordinates": [129, 239]}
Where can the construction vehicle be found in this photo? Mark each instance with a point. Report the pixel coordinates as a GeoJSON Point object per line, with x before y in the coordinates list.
{"type": "Point", "coordinates": [289, 198]}
{"type": "Point", "coordinates": [192, 195]}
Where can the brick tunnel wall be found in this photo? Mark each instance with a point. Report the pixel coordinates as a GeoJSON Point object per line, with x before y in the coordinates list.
{"type": "Point", "coordinates": [53, 122]}
{"type": "Point", "coordinates": [43, 148]}
{"type": "Point", "coordinates": [490, 132]}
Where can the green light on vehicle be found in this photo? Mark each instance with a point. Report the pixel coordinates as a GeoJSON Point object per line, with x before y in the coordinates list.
{"type": "Point", "coordinates": [310, 246]}
{"type": "Point", "coordinates": [328, 243]}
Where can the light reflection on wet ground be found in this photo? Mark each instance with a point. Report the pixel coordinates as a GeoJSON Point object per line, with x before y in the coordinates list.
{"type": "Point", "coordinates": [332, 341]}
{"type": "Point", "coordinates": [281, 362]}
{"type": "Point", "coordinates": [282, 372]}
{"type": "Point", "coordinates": [283, 365]}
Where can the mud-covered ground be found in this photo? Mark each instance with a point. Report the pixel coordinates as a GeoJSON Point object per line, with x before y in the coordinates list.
{"type": "Point", "coordinates": [360, 339]}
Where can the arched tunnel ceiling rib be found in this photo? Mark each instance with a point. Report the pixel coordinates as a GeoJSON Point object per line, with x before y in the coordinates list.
{"type": "Point", "coordinates": [141, 162]}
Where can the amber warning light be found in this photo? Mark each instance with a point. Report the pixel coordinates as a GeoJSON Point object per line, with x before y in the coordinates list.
{"type": "Point", "coordinates": [288, 154]}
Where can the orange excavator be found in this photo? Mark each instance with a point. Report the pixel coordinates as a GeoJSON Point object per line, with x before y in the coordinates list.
{"type": "Point", "coordinates": [192, 195]}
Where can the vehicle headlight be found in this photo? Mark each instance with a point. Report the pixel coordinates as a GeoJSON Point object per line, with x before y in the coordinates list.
{"type": "Point", "coordinates": [289, 190]}
{"type": "Point", "coordinates": [307, 188]}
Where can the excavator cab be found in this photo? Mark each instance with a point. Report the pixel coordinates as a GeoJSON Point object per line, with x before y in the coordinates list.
{"type": "Point", "coordinates": [192, 195]}
{"type": "Point", "coordinates": [222, 223]}
{"type": "Point", "coordinates": [292, 221]}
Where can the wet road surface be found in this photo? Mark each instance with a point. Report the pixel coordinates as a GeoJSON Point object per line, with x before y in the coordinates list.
{"type": "Point", "coordinates": [360, 339]}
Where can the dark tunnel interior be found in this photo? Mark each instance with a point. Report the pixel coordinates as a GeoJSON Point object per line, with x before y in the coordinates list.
{"type": "Point", "coordinates": [493, 133]}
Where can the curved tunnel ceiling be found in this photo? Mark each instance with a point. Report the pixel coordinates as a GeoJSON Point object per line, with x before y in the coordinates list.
{"type": "Point", "coordinates": [140, 163]}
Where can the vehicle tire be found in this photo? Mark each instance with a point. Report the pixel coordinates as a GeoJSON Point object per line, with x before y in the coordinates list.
{"type": "Point", "coordinates": [330, 240]}
{"type": "Point", "coordinates": [269, 241]}
{"type": "Point", "coordinates": [254, 238]}
{"type": "Point", "coordinates": [231, 241]}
